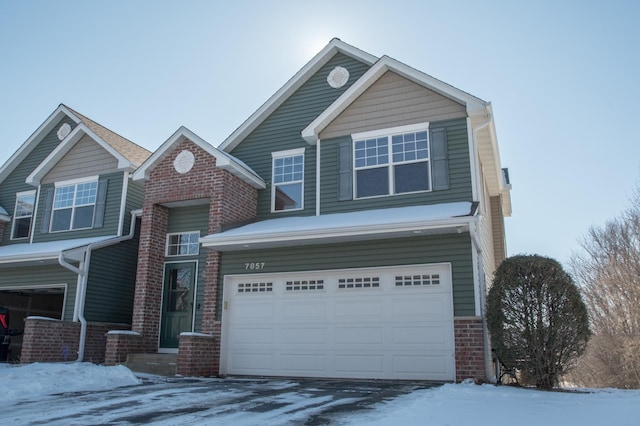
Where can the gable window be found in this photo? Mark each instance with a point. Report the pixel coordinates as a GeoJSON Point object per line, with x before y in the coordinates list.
{"type": "Point", "coordinates": [183, 244]}
{"type": "Point", "coordinates": [23, 214]}
{"type": "Point", "coordinates": [397, 162]}
{"type": "Point", "coordinates": [74, 205]}
{"type": "Point", "coordinates": [288, 180]}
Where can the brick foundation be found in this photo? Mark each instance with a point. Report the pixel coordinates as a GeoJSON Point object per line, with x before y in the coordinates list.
{"type": "Point", "coordinates": [470, 350]}
{"type": "Point", "coordinates": [49, 340]}
{"type": "Point", "coordinates": [120, 344]}
{"type": "Point", "coordinates": [197, 355]}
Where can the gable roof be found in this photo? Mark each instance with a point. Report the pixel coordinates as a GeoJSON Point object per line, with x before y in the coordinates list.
{"type": "Point", "coordinates": [123, 149]}
{"type": "Point", "coordinates": [223, 160]}
{"type": "Point", "coordinates": [305, 73]}
{"type": "Point", "coordinates": [473, 104]}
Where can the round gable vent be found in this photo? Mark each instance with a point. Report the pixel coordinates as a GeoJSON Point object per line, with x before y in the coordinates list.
{"type": "Point", "coordinates": [184, 162]}
{"type": "Point", "coordinates": [64, 131]}
{"type": "Point", "coordinates": [338, 77]}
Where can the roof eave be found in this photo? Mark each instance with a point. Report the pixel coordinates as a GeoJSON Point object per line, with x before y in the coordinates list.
{"type": "Point", "coordinates": [334, 234]}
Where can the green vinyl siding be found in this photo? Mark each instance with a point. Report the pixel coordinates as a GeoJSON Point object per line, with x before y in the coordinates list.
{"type": "Point", "coordinates": [111, 214]}
{"type": "Point", "coordinates": [459, 175]}
{"type": "Point", "coordinates": [111, 282]}
{"type": "Point", "coordinates": [281, 131]}
{"type": "Point", "coordinates": [44, 275]}
{"type": "Point", "coordinates": [447, 248]}
{"type": "Point", "coordinates": [190, 219]}
{"type": "Point", "coordinates": [15, 182]}
{"type": "Point", "coordinates": [135, 196]}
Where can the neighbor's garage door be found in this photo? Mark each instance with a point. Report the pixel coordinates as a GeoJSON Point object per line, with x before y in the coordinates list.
{"type": "Point", "coordinates": [381, 323]}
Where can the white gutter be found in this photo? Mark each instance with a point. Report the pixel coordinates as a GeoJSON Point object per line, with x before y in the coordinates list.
{"type": "Point", "coordinates": [318, 177]}
{"type": "Point", "coordinates": [83, 272]}
{"type": "Point", "coordinates": [481, 300]}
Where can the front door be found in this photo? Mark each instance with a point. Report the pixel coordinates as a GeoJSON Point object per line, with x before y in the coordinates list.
{"type": "Point", "coordinates": [177, 302]}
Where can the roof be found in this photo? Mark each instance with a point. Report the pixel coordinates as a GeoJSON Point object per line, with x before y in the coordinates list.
{"type": "Point", "coordinates": [17, 253]}
{"type": "Point", "coordinates": [330, 50]}
{"type": "Point", "coordinates": [223, 160]}
{"type": "Point", "coordinates": [338, 227]}
{"type": "Point", "coordinates": [125, 150]}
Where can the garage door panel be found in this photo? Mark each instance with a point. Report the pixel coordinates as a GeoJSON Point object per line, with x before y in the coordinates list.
{"type": "Point", "coordinates": [304, 311]}
{"type": "Point", "coordinates": [304, 336]}
{"type": "Point", "coordinates": [383, 331]}
{"type": "Point", "coordinates": [253, 335]}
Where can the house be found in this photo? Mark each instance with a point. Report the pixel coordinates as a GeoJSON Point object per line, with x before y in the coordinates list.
{"type": "Point", "coordinates": [347, 229]}
{"type": "Point", "coordinates": [69, 225]}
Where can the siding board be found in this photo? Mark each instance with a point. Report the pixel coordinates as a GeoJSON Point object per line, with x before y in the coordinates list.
{"type": "Point", "coordinates": [86, 158]}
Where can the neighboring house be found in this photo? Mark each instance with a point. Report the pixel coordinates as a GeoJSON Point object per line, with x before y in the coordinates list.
{"type": "Point", "coordinates": [68, 237]}
{"type": "Point", "coordinates": [348, 229]}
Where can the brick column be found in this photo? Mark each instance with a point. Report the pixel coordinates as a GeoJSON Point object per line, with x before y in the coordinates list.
{"type": "Point", "coordinates": [196, 355]}
{"type": "Point", "coordinates": [120, 344]}
{"type": "Point", "coordinates": [148, 293]}
{"type": "Point", "coordinates": [470, 353]}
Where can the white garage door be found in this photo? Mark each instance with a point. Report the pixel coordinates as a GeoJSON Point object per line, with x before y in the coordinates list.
{"type": "Point", "coordinates": [380, 323]}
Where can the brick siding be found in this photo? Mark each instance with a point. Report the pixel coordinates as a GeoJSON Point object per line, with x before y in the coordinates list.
{"type": "Point", "coordinates": [119, 345]}
{"type": "Point", "coordinates": [470, 350]}
{"type": "Point", "coordinates": [197, 355]}
{"type": "Point", "coordinates": [48, 340]}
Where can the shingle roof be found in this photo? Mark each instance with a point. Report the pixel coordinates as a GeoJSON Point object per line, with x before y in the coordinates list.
{"type": "Point", "coordinates": [132, 151]}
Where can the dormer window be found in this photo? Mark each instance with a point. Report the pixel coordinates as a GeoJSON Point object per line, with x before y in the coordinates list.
{"type": "Point", "coordinates": [74, 205]}
{"type": "Point", "coordinates": [287, 190]}
{"type": "Point", "coordinates": [23, 215]}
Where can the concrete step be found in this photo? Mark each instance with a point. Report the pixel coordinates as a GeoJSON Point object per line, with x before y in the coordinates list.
{"type": "Point", "coordinates": [158, 364]}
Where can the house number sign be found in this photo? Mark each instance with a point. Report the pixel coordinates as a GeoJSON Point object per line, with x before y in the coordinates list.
{"type": "Point", "coordinates": [250, 266]}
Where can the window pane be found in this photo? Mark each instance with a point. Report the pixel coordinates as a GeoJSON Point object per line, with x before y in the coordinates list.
{"type": "Point", "coordinates": [371, 182]}
{"type": "Point", "coordinates": [21, 228]}
{"type": "Point", "coordinates": [411, 177]}
{"type": "Point", "coordinates": [288, 197]}
{"type": "Point", "coordinates": [24, 205]}
{"type": "Point", "coordinates": [410, 147]}
{"type": "Point", "coordinates": [288, 169]}
{"type": "Point", "coordinates": [83, 217]}
{"type": "Point", "coordinates": [86, 193]}
{"type": "Point", "coordinates": [61, 220]}
{"type": "Point", "coordinates": [371, 152]}
{"type": "Point", "coordinates": [63, 197]}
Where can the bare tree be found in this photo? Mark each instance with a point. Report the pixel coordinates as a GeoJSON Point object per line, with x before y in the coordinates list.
{"type": "Point", "coordinates": [608, 270]}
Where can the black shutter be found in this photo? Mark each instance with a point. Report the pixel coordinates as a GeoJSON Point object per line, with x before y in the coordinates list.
{"type": "Point", "coordinates": [345, 171]}
{"type": "Point", "coordinates": [439, 159]}
{"type": "Point", "coordinates": [48, 206]}
{"type": "Point", "coordinates": [101, 198]}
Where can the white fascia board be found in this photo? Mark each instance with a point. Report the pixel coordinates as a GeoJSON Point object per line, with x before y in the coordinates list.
{"type": "Point", "coordinates": [219, 241]}
{"type": "Point", "coordinates": [278, 98]}
{"type": "Point", "coordinates": [66, 145]}
{"type": "Point", "coordinates": [34, 140]}
{"type": "Point", "coordinates": [223, 160]}
{"type": "Point", "coordinates": [472, 103]}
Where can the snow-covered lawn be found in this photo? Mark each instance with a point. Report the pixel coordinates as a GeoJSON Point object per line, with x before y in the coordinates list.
{"type": "Point", "coordinates": [451, 404]}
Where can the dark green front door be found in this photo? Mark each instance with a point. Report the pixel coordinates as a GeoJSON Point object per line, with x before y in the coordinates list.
{"type": "Point", "coordinates": [177, 302]}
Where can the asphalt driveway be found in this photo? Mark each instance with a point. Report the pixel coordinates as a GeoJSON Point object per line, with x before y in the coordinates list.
{"type": "Point", "coordinates": [186, 401]}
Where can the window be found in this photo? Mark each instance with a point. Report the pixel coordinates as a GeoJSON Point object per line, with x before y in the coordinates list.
{"type": "Point", "coordinates": [394, 163]}
{"type": "Point", "coordinates": [23, 214]}
{"type": "Point", "coordinates": [184, 244]}
{"type": "Point", "coordinates": [74, 206]}
{"type": "Point", "coordinates": [288, 180]}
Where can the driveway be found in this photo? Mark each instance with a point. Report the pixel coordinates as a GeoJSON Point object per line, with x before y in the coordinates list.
{"type": "Point", "coordinates": [233, 401]}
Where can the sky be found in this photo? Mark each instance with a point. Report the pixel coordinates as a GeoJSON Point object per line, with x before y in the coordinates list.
{"type": "Point", "coordinates": [33, 394]}
{"type": "Point", "coordinates": [562, 77]}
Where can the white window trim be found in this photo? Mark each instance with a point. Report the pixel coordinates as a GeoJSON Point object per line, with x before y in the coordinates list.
{"type": "Point", "coordinates": [284, 154]}
{"type": "Point", "coordinates": [389, 133]}
{"type": "Point", "coordinates": [13, 226]}
{"type": "Point", "coordinates": [169, 235]}
{"type": "Point", "coordinates": [74, 182]}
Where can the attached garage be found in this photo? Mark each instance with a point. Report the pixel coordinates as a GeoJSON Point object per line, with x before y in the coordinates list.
{"type": "Point", "coordinates": [373, 323]}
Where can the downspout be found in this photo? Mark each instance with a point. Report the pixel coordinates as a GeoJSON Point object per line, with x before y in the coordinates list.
{"type": "Point", "coordinates": [473, 231]}
{"type": "Point", "coordinates": [318, 177]}
{"type": "Point", "coordinates": [83, 272]}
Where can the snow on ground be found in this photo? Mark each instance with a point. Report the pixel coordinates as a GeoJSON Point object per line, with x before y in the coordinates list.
{"type": "Point", "coordinates": [451, 404]}
{"type": "Point", "coordinates": [30, 381]}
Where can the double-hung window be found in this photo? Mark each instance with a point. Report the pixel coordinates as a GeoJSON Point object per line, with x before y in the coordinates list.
{"type": "Point", "coordinates": [74, 205]}
{"type": "Point", "coordinates": [23, 214]}
{"type": "Point", "coordinates": [395, 162]}
{"type": "Point", "coordinates": [183, 244]}
{"type": "Point", "coordinates": [287, 192]}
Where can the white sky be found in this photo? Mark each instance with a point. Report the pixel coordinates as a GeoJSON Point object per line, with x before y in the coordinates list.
{"type": "Point", "coordinates": [562, 78]}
